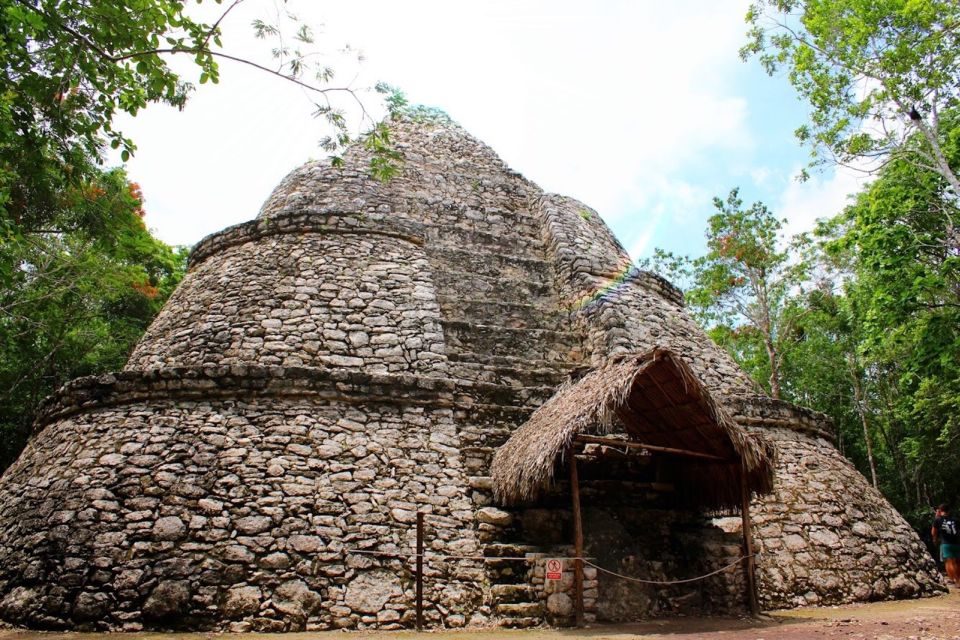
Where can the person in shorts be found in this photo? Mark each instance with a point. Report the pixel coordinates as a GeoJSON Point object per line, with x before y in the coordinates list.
{"type": "Point", "coordinates": [946, 533]}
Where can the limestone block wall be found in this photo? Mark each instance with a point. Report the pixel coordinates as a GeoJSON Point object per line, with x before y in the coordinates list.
{"type": "Point", "coordinates": [236, 509]}
{"type": "Point", "coordinates": [355, 354]}
{"type": "Point", "coordinates": [631, 529]}
{"type": "Point", "coordinates": [825, 535]}
{"type": "Point", "coordinates": [448, 179]}
{"type": "Point", "coordinates": [317, 294]}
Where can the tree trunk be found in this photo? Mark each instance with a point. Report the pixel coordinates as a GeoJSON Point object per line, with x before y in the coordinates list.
{"type": "Point", "coordinates": [859, 400]}
{"type": "Point", "coordinates": [774, 368]}
{"type": "Point", "coordinates": [899, 463]}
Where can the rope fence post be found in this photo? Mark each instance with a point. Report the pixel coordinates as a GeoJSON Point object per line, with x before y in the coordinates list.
{"type": "Point", "coordinates": [577, 539]}
{"type": "Point", "coordinates": [749, 563]}
{"type": "Point", "coordinates": [419, 571]}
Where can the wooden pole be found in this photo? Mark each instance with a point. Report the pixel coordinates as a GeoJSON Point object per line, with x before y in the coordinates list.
{"type": "Point", "coordinates": [749, 564]}
{"type": "Point", "coordinates": [612, 442]}
{"type": "Point", "coordinates": [577, 539]}
{"type": "Point", "coordinates": [419, 571]}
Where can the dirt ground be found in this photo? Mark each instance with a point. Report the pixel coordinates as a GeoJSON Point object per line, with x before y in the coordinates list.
{"type": "Point", "coordinates": [927, 619]}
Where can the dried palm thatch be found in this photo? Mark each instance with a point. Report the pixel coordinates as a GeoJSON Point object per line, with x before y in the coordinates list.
{"type": "Point", "coordinates": [657, 400]}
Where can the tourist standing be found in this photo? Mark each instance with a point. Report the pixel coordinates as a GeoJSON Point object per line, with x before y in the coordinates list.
{"type": "Point", "coordinates": [946, 533]}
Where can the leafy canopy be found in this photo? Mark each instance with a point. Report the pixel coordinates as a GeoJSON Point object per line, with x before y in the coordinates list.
{"type": "Point", "coordinates": [67, 67]}
{"type": "Point", "coordinates": [874, 72]}
{"type": "Point", "coordinates": [739, 289]}
{"type": "Point", "coordinates": [75, 303]}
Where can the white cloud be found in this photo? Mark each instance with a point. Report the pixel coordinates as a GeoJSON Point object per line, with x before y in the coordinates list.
{"type": "Point", "coordinates": [803, 203]}
{"type": "Point", "coordinates": [608, 104]}
{"type": "Point", "coordinates": [761, 176]}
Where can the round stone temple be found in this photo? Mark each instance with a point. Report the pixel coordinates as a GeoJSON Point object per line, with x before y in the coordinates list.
{"type": "Point", "coordinates": [357, 354]}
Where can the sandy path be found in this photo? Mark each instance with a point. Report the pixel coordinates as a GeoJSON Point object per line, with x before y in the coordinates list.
{"type": "Point", "coordinates": [927, 619]}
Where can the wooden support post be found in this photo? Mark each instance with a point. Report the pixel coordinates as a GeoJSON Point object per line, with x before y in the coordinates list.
{"type": "Point", "coordinates": [419, 571]}
{"type": "Point", "coordinates": [577, 538]}
{"type": "Point", "coordinates": [749, 563]}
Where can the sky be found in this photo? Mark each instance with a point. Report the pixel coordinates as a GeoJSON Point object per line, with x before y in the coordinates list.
{"type": "Point", "coordinates": [641, 109]}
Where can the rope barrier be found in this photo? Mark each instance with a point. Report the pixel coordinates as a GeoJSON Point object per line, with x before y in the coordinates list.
{"type": "Point", "coordinates": [440, 556]}
{"type": "Point", "coordinates": [668, 582]}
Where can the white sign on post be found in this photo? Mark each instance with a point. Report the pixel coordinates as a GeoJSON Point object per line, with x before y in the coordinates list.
{"type": "Point", "coordinates": [554, 569]}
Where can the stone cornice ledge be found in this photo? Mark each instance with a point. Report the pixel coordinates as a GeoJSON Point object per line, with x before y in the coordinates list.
{"type": "Point", "coordinates": [241, 381]}
{"type": "Point", "coordinates": [301, 222]}
{"type": "Point", "coordinates": [249, 382]}
{"type": "Point", "coordinates": [764, 412]}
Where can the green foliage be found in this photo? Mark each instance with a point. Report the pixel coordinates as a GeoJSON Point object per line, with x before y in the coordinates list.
{"type": "Point", "coordinates": [864, 319]}
{"type": "Point", "coordinates": [739, 289]}
{"type": "Point", "coordinates": [873, 71]}
{"type": "Point", "coordinates": [66, 69]}
{"type": "Point", "coordinates": [75, 303]}
{"type": "Point", "coordinates": [80, 276]}
{"type": "Point", "coordinates": [901, 245]}
{"type": "Point", "coordinates": [878, 339]}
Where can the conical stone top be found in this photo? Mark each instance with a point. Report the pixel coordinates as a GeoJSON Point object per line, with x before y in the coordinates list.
{"type": "Point", "coordinates": [355, 354]}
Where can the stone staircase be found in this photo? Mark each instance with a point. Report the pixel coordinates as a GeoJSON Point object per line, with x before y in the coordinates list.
{"type": "Point", "coordinates": [514, 372]}
{"type": "Point", "coordinates": [514, 600]}
{"type": "Point", "coordinates": [510, 344]}
{"type": "Point", "coordinates": [471, 285]}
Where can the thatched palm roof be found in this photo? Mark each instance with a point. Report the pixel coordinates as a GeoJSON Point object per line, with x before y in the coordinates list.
{"type": "Point", "coordinates": [657, 400]}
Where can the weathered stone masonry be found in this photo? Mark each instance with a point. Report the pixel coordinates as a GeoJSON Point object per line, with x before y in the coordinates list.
{"type": "Point", "coordinates": [356, 354]}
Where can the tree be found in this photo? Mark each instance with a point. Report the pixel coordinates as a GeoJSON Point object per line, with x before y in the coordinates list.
{"type": "Point", "coordinates": [907, 287]}
{"type": "Point", "coordinates": [67, 67]}
{"type": "Point", "coordinates": [77, 302]}
{"type": "Point", "coordinates": [825, 371]}
{"type": "Point", "coordinates": [80, 276]}
{"type": "Point", "coordinates": [743, 281]}
{"type": "Point", "coordinates": [874, 72]}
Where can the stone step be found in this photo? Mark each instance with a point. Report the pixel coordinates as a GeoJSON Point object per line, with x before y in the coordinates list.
{"type": "Point", "coordinates": [538, 344]}
{"type": "Point", "coordinates": [562, 367]}
{"type": "Point", "coordinates": [503, 395]}
{"type": "Point", "coordinates": [521, 241]}
{"type": "Point", "coordinates": [507, 370]}
{"type": "Point", "coordinates": [509, 550]}
{"type": "Point", "coordinates": [516, 315]}
{"type": "Point", "coordinates": [486, 263]}
{"type": "Point", "coordinates": [520, 609]}
{"type": "Point", "coordinates": [513, 376]}
{"type": "Point", "coordinates": [482, 430]}
{"type": "Point", "coordinates": [512, 622]}
{"type": "Point", "coordinates": [503, 567]}
{"type": "Point", "coordinates": [512, 593]}
{"type": "Point", "coordinates": [452, 281]}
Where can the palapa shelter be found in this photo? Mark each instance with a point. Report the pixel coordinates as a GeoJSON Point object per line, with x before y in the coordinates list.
{"type": "Point", "coordinates": [657, 401]}
{"type": "Point", "coordinates": [660, 407]}
{"type": "Point", "coordinates": [355, 356]}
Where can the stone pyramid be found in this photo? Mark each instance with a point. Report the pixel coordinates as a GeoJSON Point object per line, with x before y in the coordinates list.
{"type": "Point", "coordinates": [355, 355]}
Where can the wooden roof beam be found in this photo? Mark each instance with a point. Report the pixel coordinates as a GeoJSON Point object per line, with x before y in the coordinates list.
{"type": "Point", "coordinates": [612, 442]}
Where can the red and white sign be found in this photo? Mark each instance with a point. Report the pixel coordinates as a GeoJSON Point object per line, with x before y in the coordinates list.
{"type": "Point", "coordinates": [554, 570]}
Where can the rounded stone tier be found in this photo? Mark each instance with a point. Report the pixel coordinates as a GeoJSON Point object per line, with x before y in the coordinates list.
{"type": "Point", "coordinates": [237, 381]}
{"type": "Point", "coordinates": [194, 509]}
{"type": "Point", "coordinates": [285, 223]}
{"type": "Point", "coordinates": [763, 412]}
{"type": "Point", "coordinates": [825, 536]}
{"type": "Point", "coordinates": [335, 290]}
